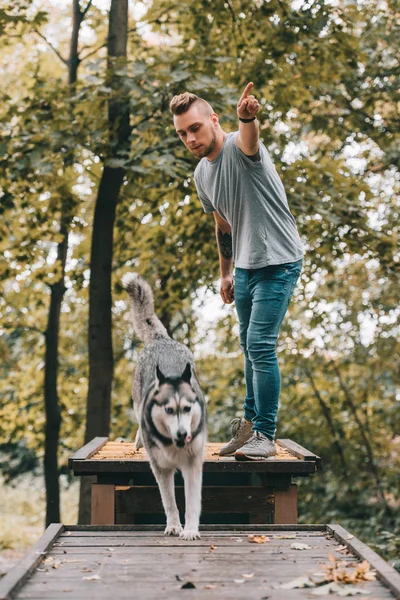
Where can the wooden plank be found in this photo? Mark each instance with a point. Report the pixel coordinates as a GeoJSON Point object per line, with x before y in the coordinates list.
{"type": "Point", "coordinates": [389, 576]}
{"type": "Point", "coordinates": [206, 528]}
{"type": "Point", "coordinates": [152, 566]}
{"type": "Point", "coordinates": [299, 451]}
{"type": "Point", "coordinates": [103, 504]}
{"type": "Point", "coordinates": [228, 465]}
{"type": "Point", "coordinates": [15, 578]}
{"type": "Point", "coordinates": [88, 450]}
{"type": "Point", "coordinates": [286, 505]}
{"type": "Point", "coordinates": [221, 499]}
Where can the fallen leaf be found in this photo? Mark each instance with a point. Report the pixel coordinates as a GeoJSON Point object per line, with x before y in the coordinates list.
{"type": "Point", "coordinates": [341, 590]}
{"type": "Point", "coordinates": [212, 547]}
{"type": "Point", "coordinates": [258, 539]}
{"type": "Point", "coordinates": [298, 546]}
{"type": "Point", "coordinates": [349, 537]}
{"type": "Point", "coordinates": [56, 565]}
{"type": "Point", "coordinates": [92, 578]}
{"type": "Point", "coordinates": [247, 575]}
{"type": "Point", "coordinates": [238, 580]}
{"type": "Point", "coordinates": [210, 587]}
{"type": "Point", "coordinates": [300, 582]}
{"type": "Point", "coordinates": [285, 537]}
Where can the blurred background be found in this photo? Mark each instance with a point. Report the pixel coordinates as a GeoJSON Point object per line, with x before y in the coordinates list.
{"type": "Point", "coordinates": [94, 183]}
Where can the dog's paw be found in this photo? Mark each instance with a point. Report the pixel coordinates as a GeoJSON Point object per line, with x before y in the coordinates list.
{"type": "Point", "coordinates": [173, 529]}
{"type": "Point", "coordinates": [189, 534]}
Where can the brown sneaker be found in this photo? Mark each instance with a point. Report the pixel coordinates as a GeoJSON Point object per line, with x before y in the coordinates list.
{"type": "Point", "coordinates": [257, 448]}
{"type": "Point", "coordinates": [241, 432]}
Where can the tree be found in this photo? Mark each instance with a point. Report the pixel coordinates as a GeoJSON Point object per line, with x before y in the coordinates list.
{"type": "Point", "coordinates": [100, 302]}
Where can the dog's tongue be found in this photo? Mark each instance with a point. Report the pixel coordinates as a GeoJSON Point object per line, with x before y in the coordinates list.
{"type": "Point", "coordinates": [189, 439]}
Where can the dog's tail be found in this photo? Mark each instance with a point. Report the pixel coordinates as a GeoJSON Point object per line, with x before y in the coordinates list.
{"type": "Point", "coordinates": [146, 324]}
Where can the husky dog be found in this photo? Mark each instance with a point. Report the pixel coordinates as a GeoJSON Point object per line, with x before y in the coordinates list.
{"type": "Point", "coordinates": [170, 410]}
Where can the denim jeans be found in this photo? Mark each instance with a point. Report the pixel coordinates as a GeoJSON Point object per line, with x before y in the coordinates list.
{"type": "Point", "coordinates": [262, 297]}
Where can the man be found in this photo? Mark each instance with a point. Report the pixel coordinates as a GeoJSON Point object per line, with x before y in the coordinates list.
{"type": "Point", "coordinates": [237, 181]}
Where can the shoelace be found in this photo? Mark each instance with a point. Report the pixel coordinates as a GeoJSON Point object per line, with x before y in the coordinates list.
{"type": "Point", "coordinates": [235, 424]}
{"type": "Point", "coordinates": [257, 439]}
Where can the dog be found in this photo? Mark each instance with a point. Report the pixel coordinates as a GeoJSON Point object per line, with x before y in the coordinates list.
{"type": "Point", "coordinates": [170, 409]}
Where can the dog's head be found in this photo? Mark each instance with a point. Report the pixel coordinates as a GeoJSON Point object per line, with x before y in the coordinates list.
{"type": "Point", "coordinates": [176, 411]}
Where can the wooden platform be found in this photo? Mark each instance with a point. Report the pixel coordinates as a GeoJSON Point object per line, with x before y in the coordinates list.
{"type": "Point", "coordinates": [126, 492]}
{"type": "Point", "coordinates": [102, 456]}
{"type": "Point", "coordinates": [131, 562]}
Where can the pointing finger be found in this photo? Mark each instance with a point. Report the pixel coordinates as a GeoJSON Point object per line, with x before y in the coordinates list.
{"type": "Point", "coordinates": [246, 90]}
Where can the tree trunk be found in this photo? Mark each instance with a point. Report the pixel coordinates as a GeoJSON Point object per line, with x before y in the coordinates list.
{"type": "Point", "coordinates": [57, 290]}
{"type": "Point", "coordinates": [100, 316]}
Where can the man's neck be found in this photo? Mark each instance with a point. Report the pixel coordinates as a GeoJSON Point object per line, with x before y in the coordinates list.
{"type": "Point", "coordinates": [218, 146]}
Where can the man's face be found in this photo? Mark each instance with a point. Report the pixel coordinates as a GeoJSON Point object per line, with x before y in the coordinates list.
{"type": "Point", "coordinates": [197, 130]}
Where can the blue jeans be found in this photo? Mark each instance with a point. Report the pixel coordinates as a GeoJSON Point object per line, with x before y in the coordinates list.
{"type": "Point", "coordinates": [262, 297]}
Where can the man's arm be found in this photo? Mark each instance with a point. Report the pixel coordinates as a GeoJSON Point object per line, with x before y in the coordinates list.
{"type": "Point", "coordinates": [248, 136]}
{"type": "Point", "coordinates": [224, 240]}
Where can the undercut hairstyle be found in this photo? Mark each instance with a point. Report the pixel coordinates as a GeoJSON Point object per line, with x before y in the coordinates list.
{"type": "Point", "coordinates": [182, 102]}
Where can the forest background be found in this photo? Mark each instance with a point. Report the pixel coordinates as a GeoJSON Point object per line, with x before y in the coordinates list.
{"type": "Point", "coordinates": [94, 182]}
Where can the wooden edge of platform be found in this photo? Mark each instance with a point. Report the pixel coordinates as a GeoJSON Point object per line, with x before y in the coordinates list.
{"type": "Point", "coordinates": [299, 451]}
{"type": "Point", "coordinates": [97, 467]}
{"type": "Point", "coordinates": [206, 528]}
{"type": "Point", "coordinates": [15, 578]}
{"type": "Point", "coordinates": [88, 450]}
{"type": "Point", "coordinates": [387, 574]}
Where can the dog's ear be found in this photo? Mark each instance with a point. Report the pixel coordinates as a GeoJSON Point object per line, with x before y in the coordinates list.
{"type": "Point", "coordinates": [187, 373]}
{"type": "Point", "coordinates": [160, 376]}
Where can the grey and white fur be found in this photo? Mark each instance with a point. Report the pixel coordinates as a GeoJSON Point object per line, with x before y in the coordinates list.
{"type": "Point", "coordinates": [170, 409]}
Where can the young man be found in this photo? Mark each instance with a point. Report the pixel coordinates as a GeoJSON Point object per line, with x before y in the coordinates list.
{"type": "Point", "coordinates": [237, 181]}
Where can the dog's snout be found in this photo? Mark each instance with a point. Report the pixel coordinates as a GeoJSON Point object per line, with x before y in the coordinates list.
{"type": "Point", "coordinates": [181, 438]}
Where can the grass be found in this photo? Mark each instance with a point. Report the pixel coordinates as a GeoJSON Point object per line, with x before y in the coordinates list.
{"type": "Point", "coordinates": [23, 510]}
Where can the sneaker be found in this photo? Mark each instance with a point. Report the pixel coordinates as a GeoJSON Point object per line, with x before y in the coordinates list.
{"type": "Point", "coordinates": [257, 448]}
{"type": "Point", "coordinates": [241, 432]}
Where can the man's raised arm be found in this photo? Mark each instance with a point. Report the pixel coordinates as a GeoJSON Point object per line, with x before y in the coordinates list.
{"type": "Point", "coordinates": [247, 109]}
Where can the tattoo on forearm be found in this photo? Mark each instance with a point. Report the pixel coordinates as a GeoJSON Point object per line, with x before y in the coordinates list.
{"type": "Point", "coordinates": [225, 244]}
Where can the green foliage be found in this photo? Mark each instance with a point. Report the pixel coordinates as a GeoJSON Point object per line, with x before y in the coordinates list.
{"type": "Point", "coordinates": [326, 75]}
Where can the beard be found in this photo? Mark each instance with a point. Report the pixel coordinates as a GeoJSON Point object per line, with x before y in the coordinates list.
{"type": "Point", "coordinates": [207, 151]}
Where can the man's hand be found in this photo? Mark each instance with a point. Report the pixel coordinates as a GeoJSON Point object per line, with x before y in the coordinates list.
{"type": "Point", "coordinates": [226, 290]}
{"type": "Point", "coordinates": [248, 106]}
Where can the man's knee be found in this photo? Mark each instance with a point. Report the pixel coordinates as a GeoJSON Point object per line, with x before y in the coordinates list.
{"type": "Point", "coordinates": [259, 350]}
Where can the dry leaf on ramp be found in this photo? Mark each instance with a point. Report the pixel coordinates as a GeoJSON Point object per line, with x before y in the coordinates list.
{"type": "Point", "coordinates": [258, 539]}
{"type": "Point", "coordinates": [298, 546]}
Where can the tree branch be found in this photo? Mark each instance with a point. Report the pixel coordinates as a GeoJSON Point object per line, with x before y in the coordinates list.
{"type": "Point", "coordinates": [83, 13]}
{"type": "Point", "coordinates": [103, 45]}
{"type": "Point", "coordinates": [51, 46]}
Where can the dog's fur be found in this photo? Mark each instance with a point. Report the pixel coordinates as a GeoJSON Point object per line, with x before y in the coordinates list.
{"type": "Point", "coordinates": [170, 410]}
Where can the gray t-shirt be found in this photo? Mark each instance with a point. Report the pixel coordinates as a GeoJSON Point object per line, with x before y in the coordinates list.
{"type": "Point", "coordinates": [250, 196]}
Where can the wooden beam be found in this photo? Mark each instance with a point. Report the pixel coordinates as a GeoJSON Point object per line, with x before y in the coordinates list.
{"type": "Point", "coordinates": [88, 450]}
{"type": "Point", "coordinates": [103, 504]}
{"type": "Point", "coordinates": [16, 577]}
{"type": "Point", "coordinates": [299, 451]}
{"type": "Point", "coordinates": [286, 505]}
{"type": "Point", "coordinates": [218, 499]}
{"type": "Point", "coordinates": [389, 576]}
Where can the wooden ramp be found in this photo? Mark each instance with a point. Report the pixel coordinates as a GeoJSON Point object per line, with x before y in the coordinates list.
{"type": "Point", "coordinates": [129, 562]}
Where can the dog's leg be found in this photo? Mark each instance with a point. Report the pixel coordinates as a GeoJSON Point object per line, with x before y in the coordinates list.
{"type": "Point", "coordinates": [192, 475]}
{"type": "Point", "coordinates": [165, 480]}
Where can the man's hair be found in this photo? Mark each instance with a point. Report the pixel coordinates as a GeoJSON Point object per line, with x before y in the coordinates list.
{"type": "Point", "coordinates": [182, 102]}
